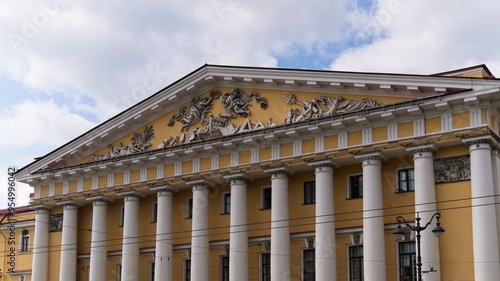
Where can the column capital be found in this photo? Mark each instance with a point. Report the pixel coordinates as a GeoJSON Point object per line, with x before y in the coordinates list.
{"type": "Point", "coordinates": [162, 189]}
{"type": "Point", "coordinates": [41, 208]}
{"type": "Point", "coordinates": [278, 171]}
{"type": "Point", "coordinates": [419, 150]}
{"type": "Point", "coordinates": [324, 163]}
{"type": "Point", "coordinates": [477, 142]}
{"type": "Point", "coordinates": [199, 184]}
{"type": "Point", "coordinates": [371, 158]}
{"type": "Point", "coordinates": [131, 195]}
{"type": "Point", "coordinates": [69, 205]}
{"type": "Point", "coordinates": [237, 177]}
{"type": "Point", "coordinates": [99, 200]}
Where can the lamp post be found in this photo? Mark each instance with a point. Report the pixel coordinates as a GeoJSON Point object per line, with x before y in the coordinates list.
{"type": "Point", "coordinates": [437, 230]}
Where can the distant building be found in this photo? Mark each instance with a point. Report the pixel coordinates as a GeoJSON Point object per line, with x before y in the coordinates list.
{"type": "Point", "coordinates": [245, 173]}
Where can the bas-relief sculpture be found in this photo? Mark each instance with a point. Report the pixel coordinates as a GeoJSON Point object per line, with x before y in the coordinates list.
{"type": "Point", "coordinates": [236, 104]}
{"type": "Point", "coordinates": [56, 222]}
{"type": "Point", "coordinates": [452, 169]}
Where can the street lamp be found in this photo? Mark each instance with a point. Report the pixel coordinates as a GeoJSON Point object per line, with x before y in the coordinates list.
{"type": "Point", "coordinates": [437, 230]}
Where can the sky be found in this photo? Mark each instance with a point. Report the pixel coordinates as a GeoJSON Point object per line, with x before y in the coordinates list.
{"type": "Point", "coordinates": [68, 65]}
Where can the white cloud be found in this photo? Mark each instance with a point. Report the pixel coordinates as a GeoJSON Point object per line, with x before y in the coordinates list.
{"type": "Point", "coordinates": [36, 122]}
{"type": "Point", "coordinates": [426, 37]}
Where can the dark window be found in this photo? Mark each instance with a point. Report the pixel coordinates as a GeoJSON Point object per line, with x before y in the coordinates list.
{"type": "Point", "coordinates": [226, 207]}
{"type": "Point", "coordinates": [189, 208]}
{"type": "Point", "coordinates": [309, 192]}
{"type": "Point", "coordinates": [407, 261]}
{"type": "Point", "coordinates": [266, 198]}
{"type": "Point", "coordinates": [406, 180]}
{"type": "Point", "coordinates": [187, 270]}
{"type": "Point", "coordinates": [265, 265]}
{"type": "Point", "coordinates": [154, 212]}
{"type": "Point", "coordinates": [152, 271]}
{"type": "Point", "coordinates": [25, 243]}
{"type": "Point", "coordinates": [122, 216]}
{"type": "Point", "coordinates": [118, 272]}
{"type": "Point", "coordinates": [356, 263]}
{"type": "Point", "coordinates": [224, 268]}
{"type": "Point", "coordinates": [356, 186]}
{"type": "Point", "coordinates": [308, 270]}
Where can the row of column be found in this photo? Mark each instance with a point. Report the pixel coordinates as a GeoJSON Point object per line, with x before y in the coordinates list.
{"type": "Point", "coordinates": [485, 241]}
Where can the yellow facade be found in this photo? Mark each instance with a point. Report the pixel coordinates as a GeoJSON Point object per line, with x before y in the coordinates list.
{"type": "Point", "coordinates": [389, 129]}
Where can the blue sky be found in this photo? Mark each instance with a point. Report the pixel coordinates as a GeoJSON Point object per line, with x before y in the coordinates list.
{"type": "Point", "coordinates": [68, 65]}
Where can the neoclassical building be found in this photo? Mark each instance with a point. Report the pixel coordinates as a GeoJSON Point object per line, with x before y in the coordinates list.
{"type": "Point", "coordinates": [245, 173]}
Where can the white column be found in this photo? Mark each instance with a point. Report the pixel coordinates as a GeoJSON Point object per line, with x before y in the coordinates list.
{"type": "Point", "coordinates": [67, 268]}
{"type": "Point", "coordinates": [373, 218]}
{"type": "Point", "coordinates": [130, 247]}
{"type": "Point", "coordinates": [325, 247]}
{"type": "Point", "coordinates": [163, 255]}
{"type": "Point", "coordinates": [199, 233]}
{"type": "Point", "coordinates": [280, 230]}
{"type": "Point", "coordinates": [425, 206]}
{"type": "Point", "coordinates": [485, 241]}
{"type": "Point", "coordinates": [98, 251]}
{"type": "Point", "coordinates": [40, 267]}
{"type": "Point", "coordinates": [495, 161]}
{"type": "Point", "coordinates": [238, 236]}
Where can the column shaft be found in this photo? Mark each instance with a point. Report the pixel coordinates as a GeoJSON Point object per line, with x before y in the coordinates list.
{"type": "Point", "coordinates": [40, 267]}
{"type": "Point", "coordinates": [199, 244]}
{"type": "Point", "coordinates": [98, 251]}
{"type": "Point", "coordinates": [280, 230]}
{"type": "Point", "coordinates": [130, 248]}
{"type": "Point", "coordinates": [485, 241]}
{"type": "Point", "coordinates": [238, 237]}
{"type": "Point", "coordinates": [67, 268]}
{"type": "Point", "coordinates": [163, 256]}
{"type": "Point", "coordinates": [373, 219]}
{"type": "Point", "coordinates": [325, 247]}
{"type": "Point", "coordinates": [425, 205]}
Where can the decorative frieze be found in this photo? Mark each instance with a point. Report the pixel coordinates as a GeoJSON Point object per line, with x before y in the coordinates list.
{"type": "Point", "coordinates": [56, 222]}
{"type": "Point", "coordinates": [452, 169]}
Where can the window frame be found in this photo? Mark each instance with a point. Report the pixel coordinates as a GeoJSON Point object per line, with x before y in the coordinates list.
{"type": "Point", "coordinates": [351, 180]}
{"type": "Point", "coordinates": [349, 264]}
{"type": "Point", "coordinates": [409, 181]}
{"type": "Point", "coordinates": [151, 271]}
{"type": "Point", "coordinates": [305, 264]}
{"type": "Point", "coordinates": [226, 205]}
{"type": "Point", "coordinates": [223, 267]}
{"type": "Point", "coordinates": [186, 269]}
{"type": "Point", "coordinates": [266, 204]}
{"type": "Point", "coordinates": [25, 247]}
{"type": "Point", "coordinates": [310, 192]}
{"type": "Point", "coordinates": [122, 216]}
{"type": "Point", "coordinates": [189, 208]}
{"type": "Point", "coordinates": [154, 212]}
{"type": "Point", "coordinates": [413, 269]}
{"type": "Point", "coordinates": [265, 267]}
{"type": "Point", "coordinates": [119, 272]}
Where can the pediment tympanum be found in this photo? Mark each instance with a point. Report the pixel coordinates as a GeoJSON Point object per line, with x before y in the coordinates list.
{"type": "Point", "coordinates": [199, 122]}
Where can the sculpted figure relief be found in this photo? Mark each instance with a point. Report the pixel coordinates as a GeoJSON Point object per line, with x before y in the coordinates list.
{"type": "Point", "coordinates": [323, 107]}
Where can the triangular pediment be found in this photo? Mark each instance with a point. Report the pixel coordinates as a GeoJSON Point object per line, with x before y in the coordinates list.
{"type": "Point", "coordinates": [215, 102]}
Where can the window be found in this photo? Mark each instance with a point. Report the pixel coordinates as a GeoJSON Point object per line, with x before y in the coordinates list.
{"type": "Point", "coordinates": [406, 180]}
{"type": "Point", "coordinates": [25, 243]}
{"type": "Point", "coordinates": [22, 278]}
{"type": "Point", "coordinates": [154, 212]}
{"type": "Point", "coordinates": [308, 265]}
{"type": "Point", "coordinates": [266, 198]}
{"type": "Point", "coordinates": [407, 261]}
{"type": "Point", "coordinates": [226, 203]}
{"type": "Point", "coordinates": [356, 186]}
{"type": "Point", "coordinates": [118, 272]}
{"type": "Point", "coordinates": [187, 270]}
{"type": "Point", "coordinates": [151, 271]}
{"type": "Point", "coordinates": [91, 219]}
{"type": "Point", "coordinates": [265, 267]}
{"type": "Point", "coordinates": [189, 208]}
{"type": "Point", "coordinates": [224, 268]}
{"type": "Point", "coordinates": [122, 216]}
{"type": "Point", "coordinates": [309, 192]}
{"type": "Point", "coordinates": [356, 263]}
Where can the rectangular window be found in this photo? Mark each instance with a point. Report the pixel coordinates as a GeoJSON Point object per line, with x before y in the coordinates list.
{"type": "Point", "coordinates": [187, 270]}
{"type": "Point", "coordinates": [118, 272]}
{"type": "Point", "coordinates": [122, 216]}
{"type": "Point", "coordinates": [224, 268]}
{"type": "Point", "coordinates": [356, 186]}
{"type": "Point", "coordinates": [25, 243]}
{"type": "Point", "coordinates": [151, 271]}
{"type": "Point", "coordinates": [266, 198]}
{"type": "Point", "coordinates": [265, 267]}
{"type": "Point", "coordinates": [91, 219]}
{"type": "Point", "coordinates": [154, 212]}
{"type": "Point", "coordinates": [309, 192]}
{"type": "Point", "coordinates": [22, 278]}
{"type": "Point", "coordinates": [189, 208]}
{"type": "Point", "coordinates": [407, 261]}
{"type": "Point", "coordinates": [308, 265]}
{"type": "Point", "coordinates": [226, 203]}
{"type": "Point", "coordinates": [356, 263]}
{"type": "Point", "coordinates": [406, 180]}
